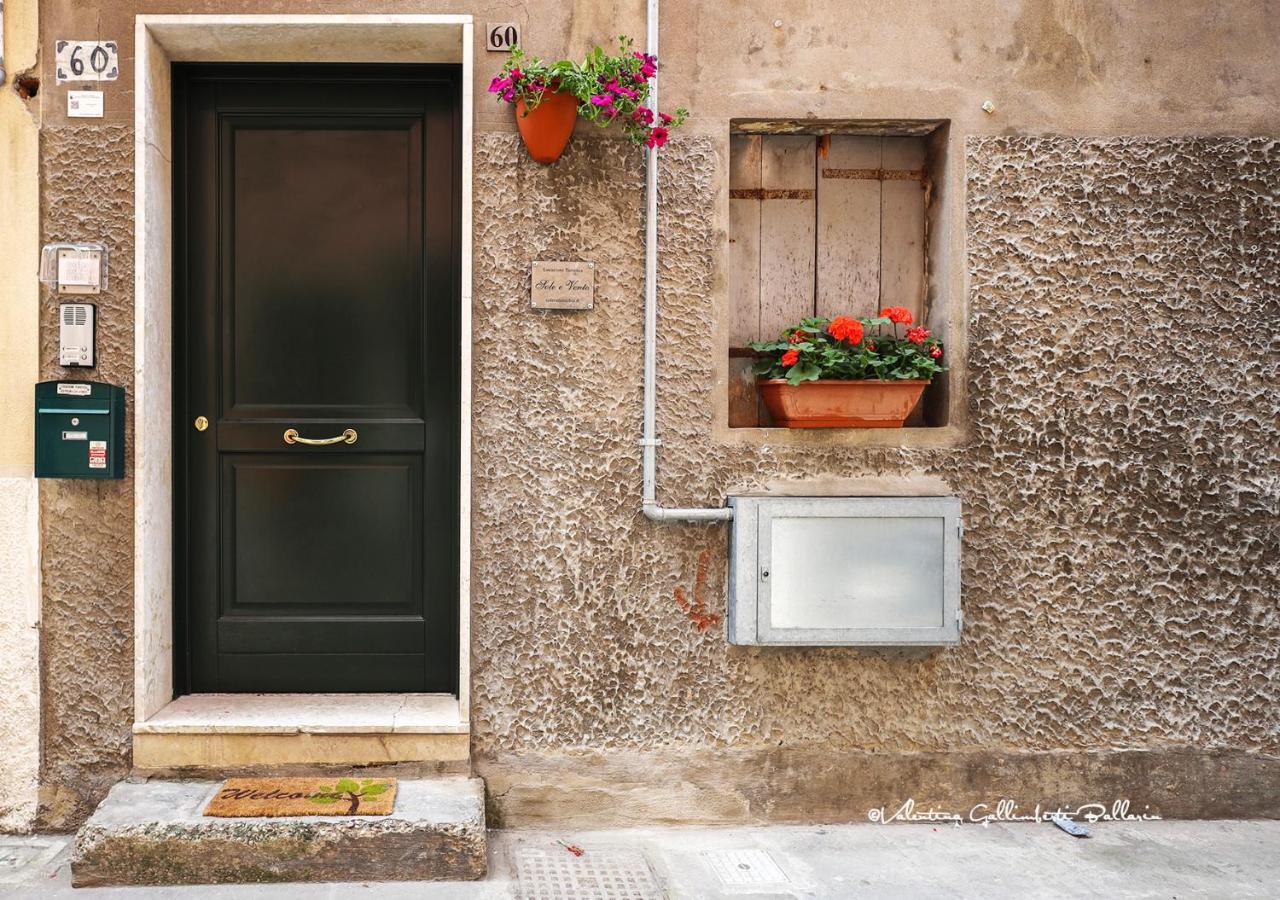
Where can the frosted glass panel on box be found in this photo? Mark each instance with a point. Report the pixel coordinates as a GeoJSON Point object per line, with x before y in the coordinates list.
{"type": "Point", "coordinates": [856, 572]}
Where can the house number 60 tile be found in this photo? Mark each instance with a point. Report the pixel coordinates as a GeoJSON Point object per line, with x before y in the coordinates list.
{"type": "Point", "coordinates": [86, 61]}
{"type": "Point", "coordinates": [501, 36]}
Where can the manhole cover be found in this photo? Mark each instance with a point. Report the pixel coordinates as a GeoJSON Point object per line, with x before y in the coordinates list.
{"type": "Point", "coordinates": [556, 874]}
{"type": "Point", "coordinates": [735, 867]}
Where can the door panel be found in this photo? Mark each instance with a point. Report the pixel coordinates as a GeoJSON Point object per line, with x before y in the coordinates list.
{"type": "Point", "coordinates": [320, 533]}
{"type": "Point", "coordinates": [332, 303]}
{"type": "Point", "coordinates": [316, 258]}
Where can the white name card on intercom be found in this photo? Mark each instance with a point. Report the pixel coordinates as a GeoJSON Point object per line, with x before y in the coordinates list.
{"type": "Point", "coordinates": [74, 268]}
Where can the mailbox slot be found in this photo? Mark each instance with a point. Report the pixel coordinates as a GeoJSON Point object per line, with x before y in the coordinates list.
{"type": "Point", "coordinates": [79, 430]}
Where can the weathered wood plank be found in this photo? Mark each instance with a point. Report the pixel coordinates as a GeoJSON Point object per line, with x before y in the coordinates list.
{"type": "Point", "coordinates": [744, 277]}
{"type": "Point", "coordinates": [787, 232]}
{"type": "Point", "coordinates": [848, 264]}
{"type": "Point", "coordinates": [744, 400]}
{"type": "Point", "coordinates": [744, 241]}
{"type": "Point", "coordinates": [902, 228]}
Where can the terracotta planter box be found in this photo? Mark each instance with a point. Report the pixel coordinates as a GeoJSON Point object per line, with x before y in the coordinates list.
{"type": "Point", "coordinates": [547, 128]}
{"type": "Point", "coordinates": [829, 403]}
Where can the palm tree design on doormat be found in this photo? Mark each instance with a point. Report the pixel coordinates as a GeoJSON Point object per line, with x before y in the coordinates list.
{"type": "Point", "coordinates": [351, 790]}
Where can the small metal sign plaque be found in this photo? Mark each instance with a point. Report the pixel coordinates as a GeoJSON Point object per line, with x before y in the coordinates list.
{"type": "Point", "coordinates": [563, 285]}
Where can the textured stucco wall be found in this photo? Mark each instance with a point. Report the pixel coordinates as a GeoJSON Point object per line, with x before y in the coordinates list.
{"type": "Point", "coordinates": [1119, 481]}
{"type": "Point", "coordinates": [87, 526]}
{"type": "Point", "coordinates": [1120, 568]}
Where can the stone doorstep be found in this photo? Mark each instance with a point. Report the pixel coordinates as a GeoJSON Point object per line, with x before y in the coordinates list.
{"type": "Point", "coordinates": [153, 833]}
{"type": "Point", "coordinates": [212, 735]}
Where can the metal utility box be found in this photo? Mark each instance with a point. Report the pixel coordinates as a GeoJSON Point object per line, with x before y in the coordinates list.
{"type": "Point", "coordinates": [831, 571]}
{"type": "Point", "coordinates": [79, 430]}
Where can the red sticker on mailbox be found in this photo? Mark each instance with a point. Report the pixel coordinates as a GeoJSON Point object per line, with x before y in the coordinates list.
{"type": "Point", "coordinates": [97, 454]}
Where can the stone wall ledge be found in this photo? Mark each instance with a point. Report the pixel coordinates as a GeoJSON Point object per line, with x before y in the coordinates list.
{"type": "Point", "coordinates": [794, 785]}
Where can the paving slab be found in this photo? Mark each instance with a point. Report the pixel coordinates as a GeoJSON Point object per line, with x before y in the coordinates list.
{"type": "Point", "coordinates": [154, 833]}
{"type": "Point", "coordinates": [1236, 859]}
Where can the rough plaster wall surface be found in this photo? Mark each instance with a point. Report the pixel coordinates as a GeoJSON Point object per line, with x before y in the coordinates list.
{"type": "Point", "coordinates": [1119, 480]}
{"type": "Point", "coordinates": [87, 526]}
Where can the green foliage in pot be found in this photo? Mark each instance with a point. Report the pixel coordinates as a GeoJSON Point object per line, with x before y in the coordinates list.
{"type": "Point", "coordinates": [610, 89]}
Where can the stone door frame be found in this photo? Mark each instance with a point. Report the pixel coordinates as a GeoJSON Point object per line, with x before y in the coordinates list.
{"type": "Point", "coordinates": [160, 40]}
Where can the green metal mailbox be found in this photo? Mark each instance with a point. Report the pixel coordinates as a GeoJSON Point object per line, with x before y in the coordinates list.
{"type": "Point", "coordinates": [79, 430]}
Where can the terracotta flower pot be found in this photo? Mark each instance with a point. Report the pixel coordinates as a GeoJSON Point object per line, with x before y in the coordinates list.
{"type": "Point", "coordinates": [827, 403]}
{"type": "Point", "coordinates": [547, 128]}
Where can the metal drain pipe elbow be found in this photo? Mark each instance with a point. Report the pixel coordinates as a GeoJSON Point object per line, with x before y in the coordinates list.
{"type": "Point", "coordinates": [649, 443]}
{"type": "Point", "coordinates": [700, 514]}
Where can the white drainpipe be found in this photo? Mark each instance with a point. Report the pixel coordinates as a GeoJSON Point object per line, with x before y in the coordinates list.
{"type": "Point", "coordinates": [650, 441]}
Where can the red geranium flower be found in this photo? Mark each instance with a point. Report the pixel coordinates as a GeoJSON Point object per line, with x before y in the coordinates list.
{"type": "Point", "coordinates": [899, 315]}
{"type": "Point", "coordinates": [936, 353]}
{"type": "Point", "coordinates": [845, 328]}
{"type": "Point", "coordinates": [797, 337]}
{"type": "Point", "coordinates": [917, 335]}
{"type": "Point", "coordinates": [791, 357]}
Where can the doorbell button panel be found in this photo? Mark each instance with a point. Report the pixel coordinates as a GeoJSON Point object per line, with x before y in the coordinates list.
{"type": "Point", "coordinates": [76, 332]}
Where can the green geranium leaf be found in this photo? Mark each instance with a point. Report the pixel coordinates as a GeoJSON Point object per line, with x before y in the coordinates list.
{"type": "Point", "coordinates": [803, 371]}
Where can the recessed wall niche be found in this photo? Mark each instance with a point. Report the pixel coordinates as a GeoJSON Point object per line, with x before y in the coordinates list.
{"type": "Point", "coordinates": [834, 218]}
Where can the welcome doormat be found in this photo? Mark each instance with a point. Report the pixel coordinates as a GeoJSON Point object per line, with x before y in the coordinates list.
{"type": "Point", "coordinates": [303, 797]}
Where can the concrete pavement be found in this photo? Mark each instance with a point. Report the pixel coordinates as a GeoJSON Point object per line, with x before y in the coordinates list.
{"type": "Point", "coordinates": [1122, 859]}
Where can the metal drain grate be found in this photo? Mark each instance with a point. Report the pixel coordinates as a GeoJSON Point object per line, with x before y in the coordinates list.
{"type": "Point", "coordinates": [741, 867]}
{"type": "Point", "coordinates": [596, 875]}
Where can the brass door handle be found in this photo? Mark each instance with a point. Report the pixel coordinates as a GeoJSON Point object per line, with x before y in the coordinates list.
{"type": "Point", "coordinates": [347, 437]}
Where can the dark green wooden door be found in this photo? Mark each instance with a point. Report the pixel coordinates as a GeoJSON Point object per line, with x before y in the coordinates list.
{"type": "Point", "coordinates": [317, 285]}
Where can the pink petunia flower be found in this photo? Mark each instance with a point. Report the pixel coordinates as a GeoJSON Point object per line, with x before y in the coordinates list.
{"type": "Point", "coordinates": [666, 119]}
{"type": "Point", "coordinates": [648, 63]}
{"type": "Point", "coordinates": [602, 99]}
{"type": "Point", "coordinates": [499, 84]}
{"type": "Point", "coordinates": [657, 136]}
{"type": "Point", "coordinates": [643, 114]}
